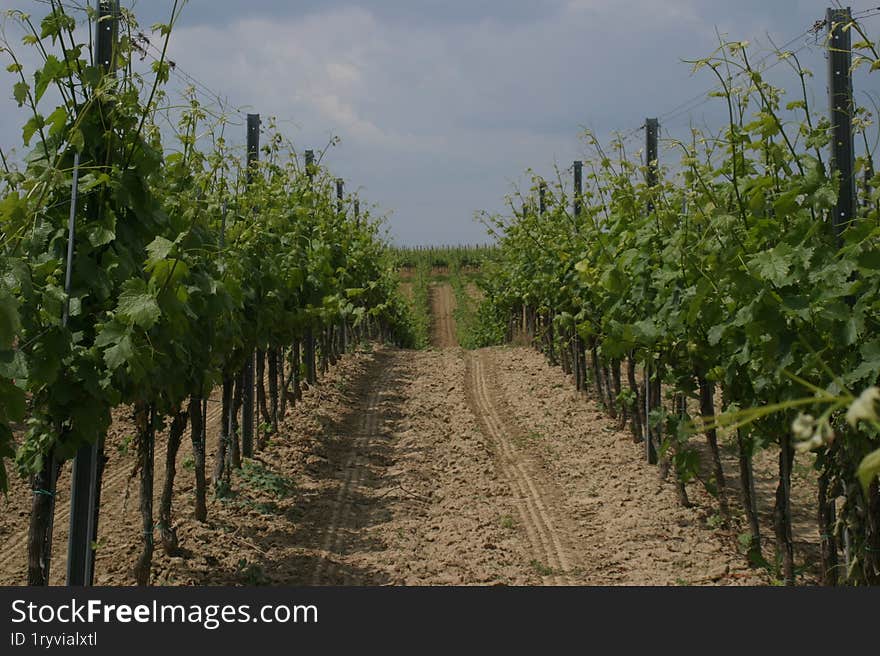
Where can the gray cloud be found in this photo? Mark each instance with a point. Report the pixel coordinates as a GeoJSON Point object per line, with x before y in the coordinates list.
{"type": "Point", "coordinates": [432, 13]}
{"type": "Point", "coordinates": [441, 105]}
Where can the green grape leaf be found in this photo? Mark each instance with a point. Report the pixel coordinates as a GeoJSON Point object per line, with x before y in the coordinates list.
{"type": "Point", "coordinates": [870, 260]}
{"type": "Point", "coordinates": [13, 365]}
{"type": "Point", "coordinates": [99, 235]}
{"type": "Point", "coordinates": [10, 322]}
{"type": "Point", "coordinates": [13, 406]}
{"type": "Point", "coordinates": [30, 128]}
{"type": "Point", "coordinates": [138, 305]}
{"type": "Point", "coordinates": [52, 70]}
{"type": "Point", "coordinates": [57, 120]}
{"type": "Point", "coordinates": [716, 333]}
{"type": "Point", "coordinates": [20, 92]}
{"type": "Point", "coordinates": [157, 250]}
{"type": "Point", "coordinates": [167, 273]}
{"type": "Point", "coordinates": [870, 366]}
{"type": "Point", "coordinates": [119, 353]}
{"type": "Point", "coordinates": [773, 265]}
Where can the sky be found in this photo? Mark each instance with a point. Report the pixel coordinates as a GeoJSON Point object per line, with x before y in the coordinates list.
{"type": "Point", "coordinates": [442, 105]}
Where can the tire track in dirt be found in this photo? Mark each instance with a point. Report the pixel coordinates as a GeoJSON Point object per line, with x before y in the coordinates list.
{"type": "Point", "coordinates": [356, 469]}
{"type": "Point", "coordinates": [442, 299]}
{"type": "Point", "coordinates": [546, 544]}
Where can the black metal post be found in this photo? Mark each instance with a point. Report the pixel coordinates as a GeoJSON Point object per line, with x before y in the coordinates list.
{"type": "Point", "coordinates": [309, 345]}
{"type": "Point", "coordinates": [578, 362]}
{"type": "Point", "coordinates": [87, 470]}
{"type": "Point", "coordinates": [106, 36]}
{"type": "Point", "coordinates": [248, 382]}
{"type": "Point", "coordinates": [840, 92]}
{"type": "Point", "coordinates": [253, 145]}
{"type": "Point", "coordinates": [340, 190]}
{"type": "Point", "coordinates": [223, 212]}
{"type": "Point", "coordinates": [310, 164]}
{"type": "Point", "coordinates": [652, 131]}
{"type": "Point", "coordinates": [841, 105]}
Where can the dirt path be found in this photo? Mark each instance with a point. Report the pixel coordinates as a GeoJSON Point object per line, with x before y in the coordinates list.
{"type": "Point", "coordinates": [400, 496]}
{"type": "Point", "coordinates": [437, 467]}
{"type": "Point", "coordinates": [546, 543]}
{"type": "Point", "coordinates": [442, 300]}
{"type": "Point", "coordinates": [356, 473]}
{"type": "Point", "coordinates": [479, 468]}
{"type": "Point", "coordinates": [628, 528]}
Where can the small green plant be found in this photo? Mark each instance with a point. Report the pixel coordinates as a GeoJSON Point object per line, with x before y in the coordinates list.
{"type": "Point", "coordinates": [542, 569]}
{"type": "Point", "coordinates": [715, 521]}
{"type": "Point", "coordinates": [251, 573]}
{"type": "Point", "coordinates": [524, 439]}
{"type": "Point", "coordinates": [255, 475]}
{"type": "Point", "coordinates": [223, 490]}
{"type": "Point", "coordinates": [124, 445]}
{"type": "Point", "coordinates": [507, 522]}
{"type": "Point", "coordinates": [188, 463]}
{"type": "Point", "coordinates": [262, 507]}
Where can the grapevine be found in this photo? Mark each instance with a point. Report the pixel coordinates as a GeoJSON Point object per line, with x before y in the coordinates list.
{"type": "Point", "coordinates": [724, 275]}
{"type": "Point", "coordinates": [185, 262]}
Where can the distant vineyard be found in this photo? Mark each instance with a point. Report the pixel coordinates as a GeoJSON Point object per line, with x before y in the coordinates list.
{"type": "Point", "coordinates": [443, 256]}
{"type": "Point", "coordinates": [459, 266]}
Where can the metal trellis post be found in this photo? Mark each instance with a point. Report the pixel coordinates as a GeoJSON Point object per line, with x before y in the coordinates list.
{"type": "Point", "coordinates": [652, 130]}
{"type": "Point", "coordinates": [86, 473]}
{"type": "Point", "coordinates": [340, 191]}
{"type": "Point", "coordinates": [840, 93]}
{"type": "Point", "coordinates": [248, 382]}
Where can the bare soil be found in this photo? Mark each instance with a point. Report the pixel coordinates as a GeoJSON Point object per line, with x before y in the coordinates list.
{"type": "Point", "coordinates": [804, 495]}
{"type": "Point", "coordinates": [437, 467]}
{"type": "Point", "coordinates": [625, 522]}
{"type": "Point", "coordinates": [443, 304]}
